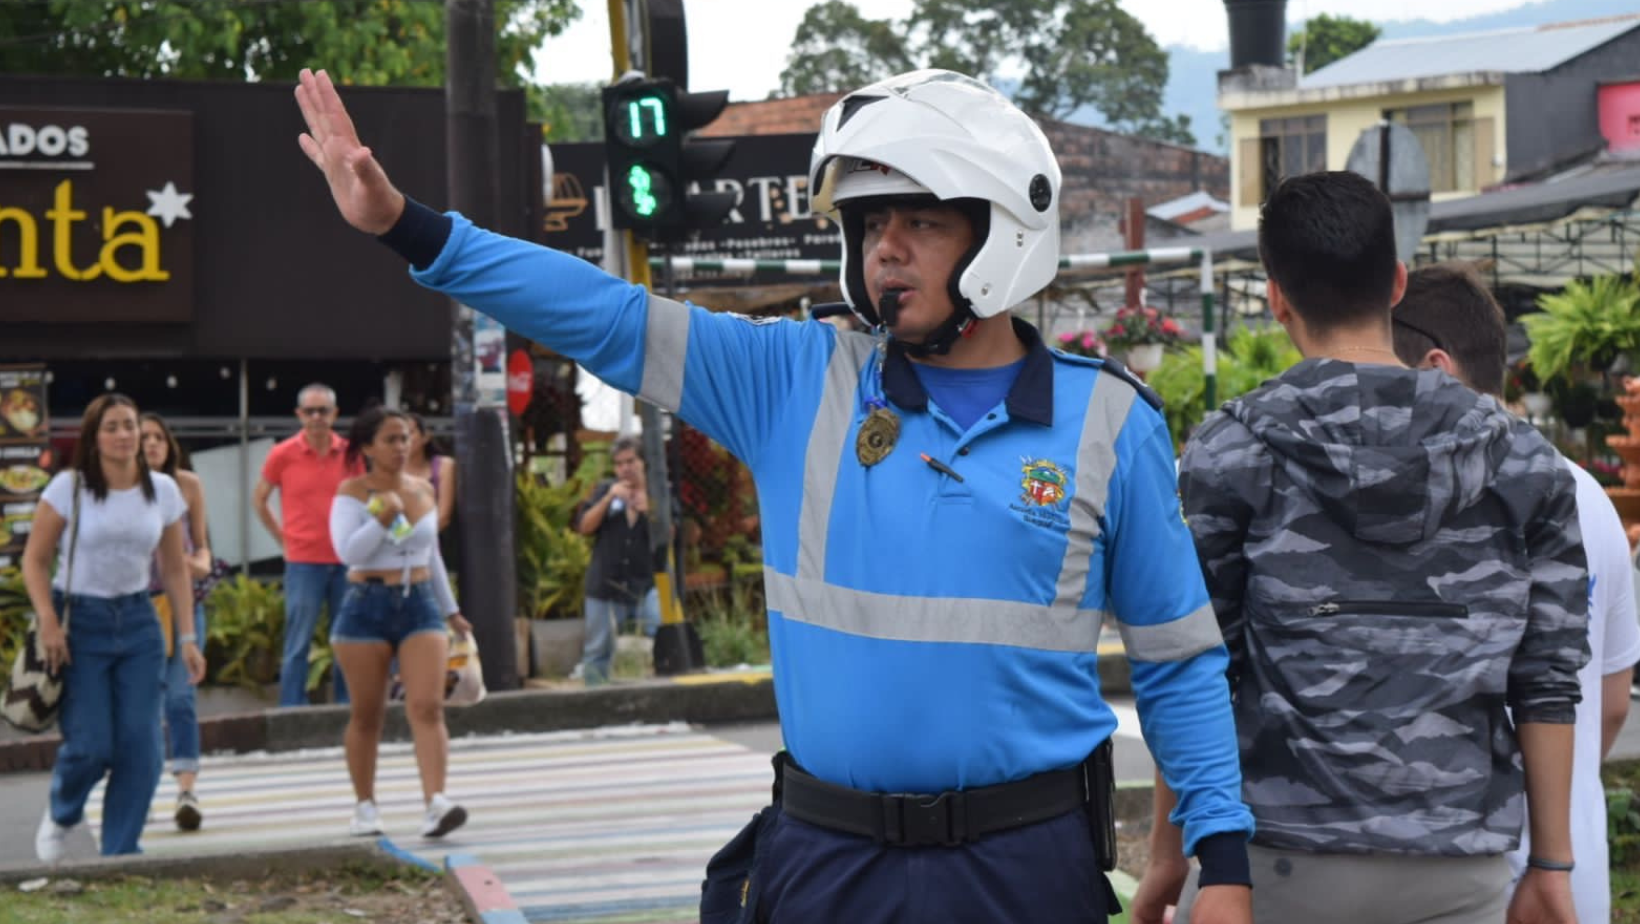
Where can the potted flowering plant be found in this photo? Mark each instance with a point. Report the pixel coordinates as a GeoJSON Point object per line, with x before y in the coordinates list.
{"type": "Point", "coordinates": [1082, 343]}
{"type": "Point", "coordinates": [1141, 332]}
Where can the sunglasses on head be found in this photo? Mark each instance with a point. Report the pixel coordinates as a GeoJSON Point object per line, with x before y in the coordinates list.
{"type": "Point", "coordinates": [313, 411]}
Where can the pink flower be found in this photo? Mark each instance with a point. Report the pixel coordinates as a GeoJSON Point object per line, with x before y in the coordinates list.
{"type": "Point", "coordinates": [1067, 337]}
{"type": "Point", "coordinates": [1088, 340]}
{"type": "Point", "coordinates": [1170, 326]}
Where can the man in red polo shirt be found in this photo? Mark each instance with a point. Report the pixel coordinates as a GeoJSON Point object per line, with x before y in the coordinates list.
{"type": "Point", "coordinates": [306, 470]}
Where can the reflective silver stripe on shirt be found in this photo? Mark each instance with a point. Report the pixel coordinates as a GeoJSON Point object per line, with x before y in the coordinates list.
{"type": "Point", "coordinates": [1108, 408]}
{"type": "Point", "coordinates": [1182, 638]}
{"type": "Point", "coordinates": [823, 456]}
{"type": "Point", "coordinates": [666, 346]}
{"type": "Point", "coordinates": [932, 619]}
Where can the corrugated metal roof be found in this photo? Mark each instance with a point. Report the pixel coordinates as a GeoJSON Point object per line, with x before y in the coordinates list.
{"type": "Point", "coordinates": [1617, 187]}
{"type": "Point", "coordinates": [1511, 51]}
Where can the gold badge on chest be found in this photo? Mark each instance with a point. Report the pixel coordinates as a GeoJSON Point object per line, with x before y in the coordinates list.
{"type": "Point", "coordinates": [878, 434]}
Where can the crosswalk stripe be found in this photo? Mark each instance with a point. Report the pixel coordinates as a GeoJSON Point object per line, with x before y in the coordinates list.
{"type": "Point", "coordinates": [612, 826]}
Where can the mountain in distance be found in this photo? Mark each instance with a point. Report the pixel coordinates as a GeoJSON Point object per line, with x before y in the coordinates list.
{"type": "Point", "coordinates": [1192, 85]}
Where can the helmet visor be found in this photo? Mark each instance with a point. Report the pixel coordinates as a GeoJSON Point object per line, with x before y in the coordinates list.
{"type": "Point", "coordinates": [858, 178]}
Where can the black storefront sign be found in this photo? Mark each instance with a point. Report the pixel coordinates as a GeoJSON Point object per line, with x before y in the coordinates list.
{"type": "Point", "coordinates": [772, 221]}
{"type": "Point", "coordinates": [25, 454]}
{"type": "Point", "coordinates": [96, 216]}
{"type": "Point", "coordinates": [264, 269]}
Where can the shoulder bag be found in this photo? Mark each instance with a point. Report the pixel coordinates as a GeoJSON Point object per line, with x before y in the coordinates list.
{"type": "Point", "coordinates": [33, 693]}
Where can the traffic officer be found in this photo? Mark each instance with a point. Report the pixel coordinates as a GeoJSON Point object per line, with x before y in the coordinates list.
{"type": "Point", "coordinates": [951, 511]}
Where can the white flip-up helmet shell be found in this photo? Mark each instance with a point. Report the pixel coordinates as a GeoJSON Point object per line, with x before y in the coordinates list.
{"type": "Point", "coordinates": [953, 137]}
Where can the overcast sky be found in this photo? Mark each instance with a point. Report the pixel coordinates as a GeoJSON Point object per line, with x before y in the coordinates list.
{"type": "Point", "coordinates": [746, 53]}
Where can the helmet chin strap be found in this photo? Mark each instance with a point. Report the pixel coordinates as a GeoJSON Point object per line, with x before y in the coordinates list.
{"type": "Point", "coordinates": [936, 342]}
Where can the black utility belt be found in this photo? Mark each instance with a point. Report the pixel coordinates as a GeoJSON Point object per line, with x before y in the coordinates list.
{"type": "Point", "coordinates": [948, 818]}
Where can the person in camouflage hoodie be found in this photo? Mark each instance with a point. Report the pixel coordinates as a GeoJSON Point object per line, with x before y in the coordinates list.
{"type": "Point", "coordinates": [1393, 560]}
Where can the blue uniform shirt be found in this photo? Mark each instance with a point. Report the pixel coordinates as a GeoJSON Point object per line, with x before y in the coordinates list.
{"type": "Point", "coordinates": [928, 634]}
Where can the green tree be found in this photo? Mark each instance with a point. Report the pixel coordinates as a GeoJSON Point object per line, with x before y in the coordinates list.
{"type": "Point", "coordinates": [1075, 53]}
{"type": "Point", "coordinates": [568, 112]}
{"type": "Point", "coordinates": [365, 42]}
{"type": "Point", "coordinates": [837, 48]}
{"type": "Point", "coordinates": [1324, 39]}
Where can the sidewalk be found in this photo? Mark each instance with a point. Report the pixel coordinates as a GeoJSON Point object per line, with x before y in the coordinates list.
{"type": "Point", "coordinates": [235, 721]}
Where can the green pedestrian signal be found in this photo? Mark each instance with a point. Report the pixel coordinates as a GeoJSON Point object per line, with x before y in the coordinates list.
{"type": "Point", "coordinates": [656, 172]}
{"type": "Point", "coordinates": [643, 194]}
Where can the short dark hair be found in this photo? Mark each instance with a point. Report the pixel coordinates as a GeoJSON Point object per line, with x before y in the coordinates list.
{"type": "Point", "coordinates": [624, 444]}
{"type": "Point", "coordinates": [1447, 307]}
{"type": "Point", "coordinates": [1328, 240]}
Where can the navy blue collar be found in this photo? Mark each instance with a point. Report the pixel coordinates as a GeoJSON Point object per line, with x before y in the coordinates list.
{"type": "Point", "coordinates": [1030, 398]}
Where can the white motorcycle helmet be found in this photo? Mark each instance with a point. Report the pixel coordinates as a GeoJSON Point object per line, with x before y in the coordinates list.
{"type": "Point", "coordinates": [939, 133]}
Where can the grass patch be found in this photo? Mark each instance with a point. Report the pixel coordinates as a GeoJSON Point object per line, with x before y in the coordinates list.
{"type": "Point", "coordinates": [406, 895]}
{"type": "Point", "coordinates": [1622, 779]}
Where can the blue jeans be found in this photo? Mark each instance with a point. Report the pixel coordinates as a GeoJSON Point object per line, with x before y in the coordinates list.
{"type": "Point", "coordinates": [603, 619]}
{"type": "Point", "coordinates": [110, 715]}
{"type": "Point", "coordinates": [181, 715]}
{"type": "Point", "coordinates": [307, 588]}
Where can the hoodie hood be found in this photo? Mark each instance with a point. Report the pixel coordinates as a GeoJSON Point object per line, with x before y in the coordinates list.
{"type": "Point", "coordinates": [1390, 453]}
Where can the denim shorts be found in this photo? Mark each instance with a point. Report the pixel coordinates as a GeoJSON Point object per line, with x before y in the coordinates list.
{"type": "Point", "coordinates": [386, 613]}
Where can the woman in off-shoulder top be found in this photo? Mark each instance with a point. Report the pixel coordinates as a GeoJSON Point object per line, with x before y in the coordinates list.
{"type": "Point", "coordinates": [384, 525]}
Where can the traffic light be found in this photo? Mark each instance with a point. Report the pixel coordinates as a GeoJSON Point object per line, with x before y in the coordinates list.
{"type": "Point", "coordinates": [653, 163]}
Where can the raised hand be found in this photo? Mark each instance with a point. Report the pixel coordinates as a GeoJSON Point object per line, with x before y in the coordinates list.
{"type": "Point", "coordinates": [363, 194]}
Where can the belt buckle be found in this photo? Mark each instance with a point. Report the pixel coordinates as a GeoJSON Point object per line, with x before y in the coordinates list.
{"type": "Point", "coordinates": [917, 821]}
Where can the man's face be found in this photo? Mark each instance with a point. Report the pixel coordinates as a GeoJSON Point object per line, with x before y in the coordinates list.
{"type": "Point", "coordinates": [629, 467]}
{"type": "Point", "coordinates": [914, 248]}
{"type": "Point", "coordinates": [316, 410]}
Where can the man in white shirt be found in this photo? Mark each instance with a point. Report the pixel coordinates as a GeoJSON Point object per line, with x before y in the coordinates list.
{"type": "Point", "coordinates": [1448, 320]}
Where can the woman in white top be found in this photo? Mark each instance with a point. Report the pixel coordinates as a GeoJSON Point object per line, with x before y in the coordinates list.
{"type": "Point", "coordinates": [111, 649]}
{"type": "Point", "coordinates": [384, 525]}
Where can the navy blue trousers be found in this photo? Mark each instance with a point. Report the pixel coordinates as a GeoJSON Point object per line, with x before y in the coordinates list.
{"type": "Point", "coordinates": [791, 872]}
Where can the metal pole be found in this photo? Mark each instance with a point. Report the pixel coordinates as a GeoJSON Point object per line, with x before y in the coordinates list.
{"type": "Point", "coordinates": [660, 495]}
{"type": "Point", "coordinates": [245, 463]}
{"type": "Point", "coordinates": [1210, 355]}
{"type": "Point", "coordinates": [676, 645]}
{"type": "Point", "coordinates": [484, 484]}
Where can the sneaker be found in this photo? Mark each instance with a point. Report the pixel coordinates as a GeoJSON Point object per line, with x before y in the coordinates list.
{"type": "Point", "coordinates": [188, 815]}
{"type": "Point", "coordinates": [366, 821]}
{"type": "Point", "coordinates": [50, 839]}
{"type": "Point", "coordinates": [443, 816]}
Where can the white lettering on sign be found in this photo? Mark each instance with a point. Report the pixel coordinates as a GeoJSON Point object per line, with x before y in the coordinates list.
{"type": "Point", "coordinates": [21, 139]}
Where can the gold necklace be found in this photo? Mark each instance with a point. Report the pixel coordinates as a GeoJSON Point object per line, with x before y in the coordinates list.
{"type": "Point", "coordinates": [1361, 349]}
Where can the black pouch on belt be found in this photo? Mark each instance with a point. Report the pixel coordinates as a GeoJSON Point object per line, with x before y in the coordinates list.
{"type": "Point", "coordinates": [729, 894]}
{"type": "Point", "coordinates": [1101, 773]}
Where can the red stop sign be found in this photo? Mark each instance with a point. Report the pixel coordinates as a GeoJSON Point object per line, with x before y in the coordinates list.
{"type": "Point", "coordinates": [520, 381]}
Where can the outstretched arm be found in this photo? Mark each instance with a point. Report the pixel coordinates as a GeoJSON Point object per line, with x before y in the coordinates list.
{"type": "Point", "coordinates": [363, 194]}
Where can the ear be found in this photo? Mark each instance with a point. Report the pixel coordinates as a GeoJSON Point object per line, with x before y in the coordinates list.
{"type": "Point", "coordinates": [1400, 284]}
{"type": "Point", "coordinates": [1442, 360]}
{"type": "Point", "coordinates": [1280, 308]}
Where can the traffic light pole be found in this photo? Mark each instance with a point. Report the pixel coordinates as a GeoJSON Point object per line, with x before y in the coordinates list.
{"type": "Point", "coordinates": [675, 641]}
{"type": "Point", "coordinates": [484, 494]}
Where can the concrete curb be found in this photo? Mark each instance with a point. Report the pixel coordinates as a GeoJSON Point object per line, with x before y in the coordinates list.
{"type": "Point", "coordinates": [702, 699]}
{"type": "Point", "coordinates": [480, 891]}
{"type": "Point", "coordinates": [239, 865]}
{"type": "Point", "coordinates": [698, 699]}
